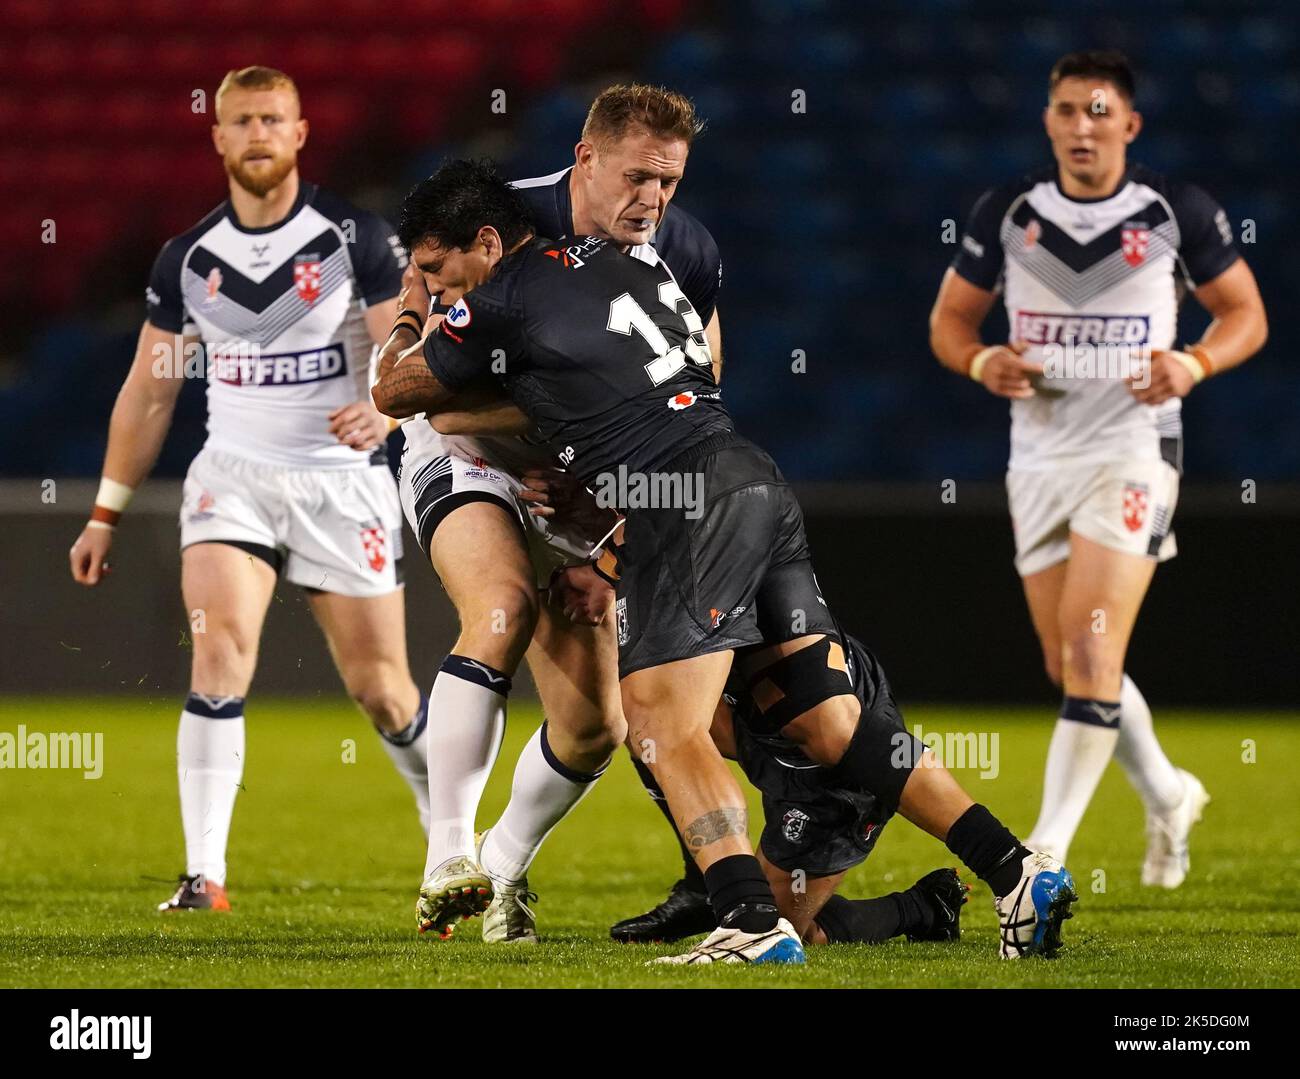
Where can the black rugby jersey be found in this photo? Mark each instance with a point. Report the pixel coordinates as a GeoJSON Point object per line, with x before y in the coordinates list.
{"type": "Point", "coordinates": [604, 353]}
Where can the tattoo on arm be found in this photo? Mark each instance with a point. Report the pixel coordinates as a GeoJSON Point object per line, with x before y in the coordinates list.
{"type": "Point", "coordinates": [714, 826]}
{"type": "Point", "coordinates": [408, 388]}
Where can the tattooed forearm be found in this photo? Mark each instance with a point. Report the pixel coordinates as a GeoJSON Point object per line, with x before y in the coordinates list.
{"type": "Point", "coordinates": [714, 826]}
{"type": "Point", "coordinates": [409, 388]}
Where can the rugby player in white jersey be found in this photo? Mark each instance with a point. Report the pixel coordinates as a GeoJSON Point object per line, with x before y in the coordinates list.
{"type": "Point", "coordinates": [289, 288]}
{"type": "Point", "coordinates": [1093, 257]}
{"type": "Point", "coordinates": [461, 481]}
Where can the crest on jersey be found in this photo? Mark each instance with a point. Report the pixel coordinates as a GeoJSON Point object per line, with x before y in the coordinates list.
{"type": "Point", "coordinates": [1135, 506]}
{"type": "Point", "coordinates": [1032, 231]}
{"type": "Point", "coordinates": [214, 284]}
{"type": "Point", "coordinates": [681, 400]}
{"type": "Point", "coordinates": [793, 824]}
{"type": "Point", "coordinates": [374, 541]}
{"type": "Point", "coordinates": [306, 277]}
{"type": "Point", "coordinates": [1133, 242]}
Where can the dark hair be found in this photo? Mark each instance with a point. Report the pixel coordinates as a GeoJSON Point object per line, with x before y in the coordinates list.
{"type": "Point", "coordinates": [1108, 64]}
{"type": "Point", "coordinates": [450, 207]}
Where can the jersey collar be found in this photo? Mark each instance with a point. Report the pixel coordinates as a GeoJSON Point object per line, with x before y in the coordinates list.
{"type": "Point", "coordinates": [306, 192]}
{"type": "Point", "coordinates": [1124, 181]}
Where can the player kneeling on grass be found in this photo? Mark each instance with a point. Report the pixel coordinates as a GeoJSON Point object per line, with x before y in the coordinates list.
{"type": "Point", "coordinates": [829, 786]}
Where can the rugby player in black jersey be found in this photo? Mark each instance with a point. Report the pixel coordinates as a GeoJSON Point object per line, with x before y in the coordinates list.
{"type": "Point", "coordinates": [606, 356]}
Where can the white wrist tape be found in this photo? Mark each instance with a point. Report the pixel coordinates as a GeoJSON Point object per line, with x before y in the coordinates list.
{"type": "Point", "coordinates": [113, 495]}
{"type": "Point", "coordinates": [1192, 364]}
{"type": "Point", "coordinates": [980, 359]}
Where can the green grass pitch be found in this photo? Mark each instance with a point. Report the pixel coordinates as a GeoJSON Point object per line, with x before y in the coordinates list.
{"type": "Point", "coordinates": [326, 857]}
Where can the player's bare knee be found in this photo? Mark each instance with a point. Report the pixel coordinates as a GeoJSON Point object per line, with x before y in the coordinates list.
{"type": "Point", "coordinates": [222, 657]}
{"type": "Point", "coordinates": [499, 623]}
{"type": "Point", "coordinates": [378, 692]}
{"type": "Point", "coordinates": [1090, 659]}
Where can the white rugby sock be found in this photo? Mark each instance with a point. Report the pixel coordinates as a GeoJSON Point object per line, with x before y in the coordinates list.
{"type": "Point", "coordinates": [1082, 745]}
{"type": "Point", "coordinates": [210, 767]}
{"type": "Point", "coordinates": [1141, 757]}
{"type": "Point", "coordinates": [467, 719]}
{"type": "Point", "coordinates": [544, 790]}
{"type": "Point", "coordinates": [407, 752]}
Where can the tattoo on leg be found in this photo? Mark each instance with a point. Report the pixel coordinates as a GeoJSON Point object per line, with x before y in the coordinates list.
{"type": "Point", "coordinates": [714, 826]}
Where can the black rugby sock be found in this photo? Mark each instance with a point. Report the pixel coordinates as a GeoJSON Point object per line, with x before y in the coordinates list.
{"type": "Point", "coordinates": [868, 921]}
{"type": "Point", "coordinates": [740, 895]}
{"type": "Point", "coordinates": [985, 844]}
{"type": "Point", "coordinates": [690, 871]}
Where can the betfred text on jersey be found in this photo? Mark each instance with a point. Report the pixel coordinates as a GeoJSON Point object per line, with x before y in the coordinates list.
{"type": "Point", "coordinates": [1074, 347]}
{"type": "Point", "coordinates": [243, 368]}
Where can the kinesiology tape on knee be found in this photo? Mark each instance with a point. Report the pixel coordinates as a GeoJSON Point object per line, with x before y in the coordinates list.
{"type": "Point", "coordinates": [798, 683]}
{"type": "Point", "coordinates": [879, 758]}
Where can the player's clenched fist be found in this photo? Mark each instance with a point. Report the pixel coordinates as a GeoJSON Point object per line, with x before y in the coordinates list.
{"type": "Point", "coordinates": [1003, 370]}
{"type": "Point", "coordinates": [1171, 374]}
{"type": "Point", "coordinates": [89, 554]}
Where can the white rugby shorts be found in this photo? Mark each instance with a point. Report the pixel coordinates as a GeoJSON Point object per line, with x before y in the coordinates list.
{"type": "Point", "coordinates": [1124, 505]}
{"type": "Point", "coordinates": [329, 529]}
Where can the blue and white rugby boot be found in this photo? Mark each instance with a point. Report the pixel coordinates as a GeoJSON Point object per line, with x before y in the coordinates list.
{"type": "Point", "coordinates": [725, 945]}
{"type": "Point", "coordinates": [1030, 915]}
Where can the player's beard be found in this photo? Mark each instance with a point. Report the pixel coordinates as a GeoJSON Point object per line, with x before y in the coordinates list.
{"type": "Point", "coordinates": [265, 181]}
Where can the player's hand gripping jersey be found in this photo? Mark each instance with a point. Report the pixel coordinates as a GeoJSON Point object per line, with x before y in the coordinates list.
{"type": "Point", "coordinates": [1085, 279]}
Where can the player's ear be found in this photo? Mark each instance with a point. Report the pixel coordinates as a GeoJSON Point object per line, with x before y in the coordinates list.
{"type": "Point", "coordinates": [1134, 126]}
{"type": "Point", "coordinates": [584, 156]}
{"type": "Point", "coordinates": [492, 245]}
{"type": "Point", "coordinates": [300, 128]}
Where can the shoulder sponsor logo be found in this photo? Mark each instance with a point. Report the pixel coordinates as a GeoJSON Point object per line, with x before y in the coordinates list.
{"type": "Point", "coordinates": [242, 368]}
{"type": "Point", "coordinates": [682, 400]}
{"type": "Point", "coordinates": [574, 256]}
{"type": "Point", "coordinates": [459, 316]}
{"type": "Point", "coordinates": [152, 298]}
{"type": "Point", "coordinates": [973, 246]}
{"type": "Point", "coordinates": [1043, 328]}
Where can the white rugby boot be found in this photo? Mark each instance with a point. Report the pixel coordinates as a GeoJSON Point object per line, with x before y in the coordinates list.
{"type": "Point", "coordinates": [723, 945]}
{"type": "Point", "coordinates": [456, 890]}
{"type": "Point", "coordinates": [508, 919]}
{"type": "Point", "coordinates": [1167, 859]}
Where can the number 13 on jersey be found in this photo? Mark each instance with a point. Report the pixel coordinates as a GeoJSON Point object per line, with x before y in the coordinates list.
{"type": "Point", "coordinates": [626, 315]}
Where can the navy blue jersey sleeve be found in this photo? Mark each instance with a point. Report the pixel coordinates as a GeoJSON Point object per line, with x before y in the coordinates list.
{"type": "Point", "coordinates": [377, 259]}
{"type": "Point", "coordinates": [691, 253]}
{"type": "Point", "coordinates": [481, 334]}
{"type": "Point", "coordinates": [1205, 235]}
{"type": "Point", "coordinates": [979, 259]}
{"type": "Point", "coordinates": [164, 303]}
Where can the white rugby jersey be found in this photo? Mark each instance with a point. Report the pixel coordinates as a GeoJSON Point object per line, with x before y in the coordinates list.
{"type": "Point", "coordinates": [280, 312]}
{"type": "Point", "coordinates": [1087, 282]}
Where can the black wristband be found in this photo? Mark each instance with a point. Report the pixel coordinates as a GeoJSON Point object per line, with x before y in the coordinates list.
{"type": "Point", "coordinates": [414, 314]}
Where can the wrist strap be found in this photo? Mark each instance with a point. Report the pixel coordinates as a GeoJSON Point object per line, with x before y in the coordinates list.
{"type": "Point", "coordinates": [978, 359]}
{"type": "Point", "coordinates": [1192, 363]}
{"type": "Point", "coordinates": [1203, 357]}
{"type": "Point", "coordinates": [111, 499]}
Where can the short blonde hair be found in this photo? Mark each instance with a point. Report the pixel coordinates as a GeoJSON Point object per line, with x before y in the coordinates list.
{"type": "Point", "coordinates": [256, 77]}
{"type": "Point", "coordinates": [656, 109]}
